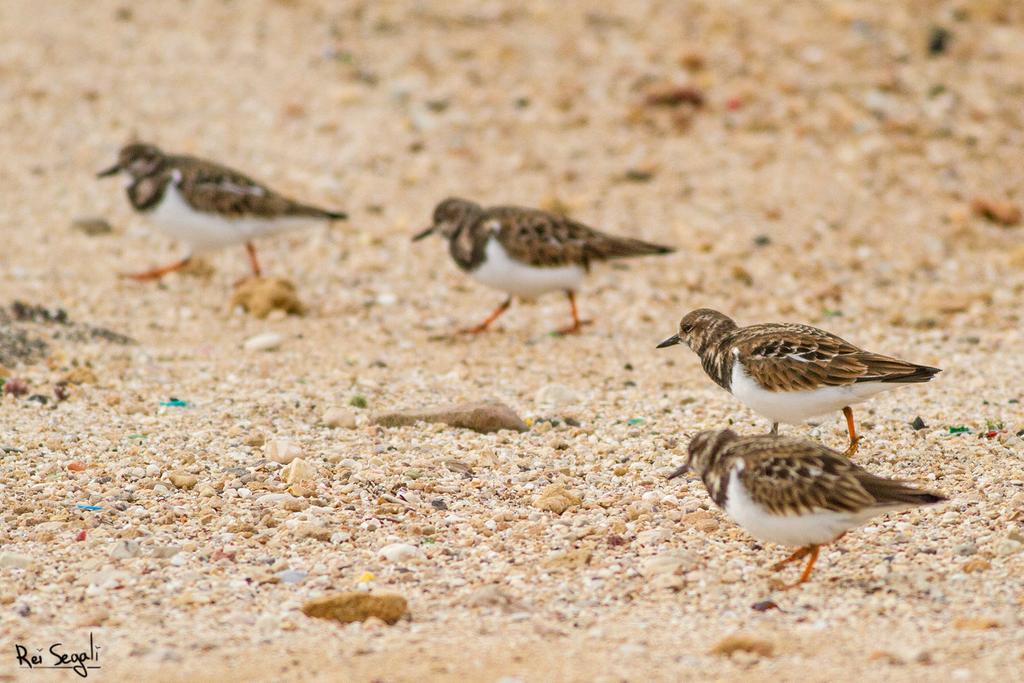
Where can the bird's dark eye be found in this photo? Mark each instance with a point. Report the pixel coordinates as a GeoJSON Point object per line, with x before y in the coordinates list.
{"type": "Point", "coordinates": [687, 329]}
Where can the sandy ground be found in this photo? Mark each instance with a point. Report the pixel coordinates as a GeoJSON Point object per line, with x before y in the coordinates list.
{"type": "Point", "coordinates": [828, 178]}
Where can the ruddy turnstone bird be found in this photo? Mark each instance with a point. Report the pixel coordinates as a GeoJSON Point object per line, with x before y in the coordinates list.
{"type": "Point", "coordinates": [205, 205]}
{"type": "Point", "coordinates": [526, 252]}
{"type": "Point", "coordinates": [792, 491]}
{"type": "Point", "coordinates": [791, 373]}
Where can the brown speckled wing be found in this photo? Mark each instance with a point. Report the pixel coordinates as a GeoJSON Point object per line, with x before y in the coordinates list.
{"type": "Point", "coordinates": [543, 239]}
{"type": "Point", "coordinates": [213, 188]}
{"type": "Point", "coordinates": [793, 476]}
{"type": "Point", "coordinates": [783, 357]}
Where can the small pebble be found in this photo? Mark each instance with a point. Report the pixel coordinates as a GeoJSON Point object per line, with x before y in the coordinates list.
{"type": "Point", "coordinates": [653, 537]}
{"type": "Point", "coordinates": [398, 552]}
{"type": "Point", "coordinates": [556, 396]}
{"type": "Point", "coordinates": [92, 226]}
{"type": "Point", "coordinates": [938, 40]}
{"type": "Point", "coordinates": [965, 549]}
{"type": "Point", "coordinates": [291, 576]}
{"type": "Point", "coordinates": [669, 562]}
{"type": "Point", "coordinates": [125, 549]}
{"type": "Point", "coordinates": [268, 341]}
{"type": "Point", "coordinates": [339, 418]}
{"type": "Point", "coordinates": [183, 480]}
{"type": "Point", "coordinates": [282, 450]}
{"type": "Point", "coordinates": [298, 470]}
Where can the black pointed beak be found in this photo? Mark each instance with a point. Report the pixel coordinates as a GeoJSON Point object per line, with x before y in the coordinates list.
{"type": "Point", "coordinates": [671, 341]}
{"type": "Point", "coordinates": [107, 172]}
{"type": "Point", "coordinates": [426, 233]}
{"type": "Point", "coordinates": [679, 471]}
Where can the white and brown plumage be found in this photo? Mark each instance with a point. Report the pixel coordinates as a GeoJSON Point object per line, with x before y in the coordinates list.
{"type": "Point", "coordinates": [792, 491]}
{"type": "Point", "coordinates": [204, 204]}
{"type": "Point", "coordinates": [526, 252]}
{"type": "Point", "coordinates": [791, 373]}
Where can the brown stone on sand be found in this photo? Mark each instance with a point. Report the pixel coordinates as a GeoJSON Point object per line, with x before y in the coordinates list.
{"type": "Point", "coordinates": [183, 480]}
{"type": "Point", "coordinates": [673, 95]}
{"type": "Point", "coordinates": [259, 296]}
{"type": "Point", "coordinates": [357, 606]}
{"type": "Point", "coordinates": [557, 499]}
{"type": "Point", "coordinates": [701, 520]}
{"type": "Point", "coordinates": [1004, 213]}
{"type": "Point", "coordinates": [739, 642]}
{"type": "Point", "coordinates": [81, 375]}
{"type": "Point", "coordinates": [484, 417]}
{"type": "Point", "coordinates": [976, 565]}
{"type": "Point", "coordinates": [976, 623]}
{"type": "Point", "coordinates": [92, 225]}
{"type": "Point", "coordinates": [576, 558]}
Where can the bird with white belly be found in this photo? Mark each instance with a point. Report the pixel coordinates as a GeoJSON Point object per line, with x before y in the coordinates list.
{"type": "Point", "coordinates": [205, 205]}
{"type": "Point", "coordinates": [793, 492]}
{"type": "Point", "coordinates": [791, 373]}
{"type": "Point", "coordinates": [526, 252]}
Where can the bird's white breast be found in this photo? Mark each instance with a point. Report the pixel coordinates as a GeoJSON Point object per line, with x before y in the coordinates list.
{"type": "Point", "coordinates": [817, 527]}
{"type": "Point", "coordinates": [501, 271]}
{"type": "Point", "coordinates": [794, 407]}
{"type": "Point", "coordinates": [204, 231]}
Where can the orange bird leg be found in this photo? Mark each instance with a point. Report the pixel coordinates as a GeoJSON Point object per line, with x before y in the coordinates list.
{"type": "Point", "coordinates": [807, 570]}
{"type": "Point", "coordinates": [811, 550]}
{"type": "Point", "coordinates": [799, 554]}
{"type": "Point", "coordinates": [252, 259]}
{"type": "Point", "coordinates": [577, 324]}
{"type": "Point", "coordinates": [158, 273]}
{"type": "Point", "coordinates": [851, 450]}
{"type": "Point", "coordinates": [495, 314]}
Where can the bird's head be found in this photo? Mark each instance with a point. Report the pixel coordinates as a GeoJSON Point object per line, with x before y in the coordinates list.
{"type": "Point", "coordinates": [137, 160]}
{"type": "Point", "coordinates": [449, 215]}
{"type": "Point", "coordinates": [705, 449]}
{"type": "Point", "coordinates": [701, 330]}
